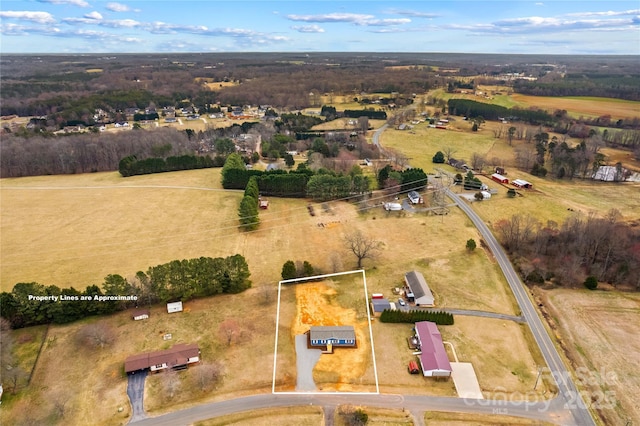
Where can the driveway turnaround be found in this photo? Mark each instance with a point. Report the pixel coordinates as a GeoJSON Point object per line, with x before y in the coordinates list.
{"type": "Point", "coordinates": [135, 390]}
{"type": "Point", "coordinates": [306, 359]}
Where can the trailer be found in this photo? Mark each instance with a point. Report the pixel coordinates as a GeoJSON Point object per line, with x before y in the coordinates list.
{"type": "Point", "coordinates": [392, 206]}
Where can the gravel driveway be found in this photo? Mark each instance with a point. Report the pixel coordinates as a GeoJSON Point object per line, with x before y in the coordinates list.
{"type": "Point", "coordinates": [306, 359]}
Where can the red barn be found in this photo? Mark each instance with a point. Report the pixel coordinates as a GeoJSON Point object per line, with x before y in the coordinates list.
{"type": "Point", "coordinates": [499, 178]}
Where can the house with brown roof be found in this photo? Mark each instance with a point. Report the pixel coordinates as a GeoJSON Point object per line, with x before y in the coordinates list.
{"type": "Point", "coordinates": [177, 358]}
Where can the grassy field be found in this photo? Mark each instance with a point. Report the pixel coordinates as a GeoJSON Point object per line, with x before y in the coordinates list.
{"type": "Point", "coordinates": [290, 416]}
{"type": "Point", "coordinates": [438, 418]}
{"type": "Point", "coordinates": [590, 107]}
{"type": "Point", "coordinates": [85, 227]}
{"type": "Point", "coordinates": [599, 331]}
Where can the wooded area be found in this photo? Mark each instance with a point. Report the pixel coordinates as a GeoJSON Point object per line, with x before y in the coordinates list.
{"type": "Point", "coordinates": [567, 253]}
{"type": "Point", "coordinates": [33, 303]}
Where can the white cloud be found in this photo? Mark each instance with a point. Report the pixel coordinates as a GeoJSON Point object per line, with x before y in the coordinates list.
{"type": "Point", "coordinates": [121, 23]}
{"type": "Point", "coordinates": [80, 3]}
{"type": "Point", "coordinates": [38, 17]}
{"type": "Point", "coordinates": [332, 17]}
{"type": "Point", "coordinates": [353, 18]}
{"type": "Point", "coordinates": [308, 28]}
{"type": "Point", "coordinates": [606, 13]}
{"type": "Point", "coordinates": [385, 22]}
{"type": "Point", "coordinates": [93, 15]}
{"type": "Point", "coordinates": [414, 14]}
{"type": "Point", "coordinates": [118, 7]}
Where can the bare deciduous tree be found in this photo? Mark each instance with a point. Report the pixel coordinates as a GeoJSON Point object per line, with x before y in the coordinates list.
{"type": "Point", "coordinates": [361, 246]}
{"type": "Point", "coordinates": [448, 152]}
{"type": "Point", "coordinates": [98, 335]}
{"type": "Point", "coordinates": [477, 161]}
{"type": "Point", "coordinates": [209, 375]}
{"type": "Point", "coordinates": [229, 330]}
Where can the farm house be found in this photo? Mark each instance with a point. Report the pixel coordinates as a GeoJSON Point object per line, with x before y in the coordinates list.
{"type": "Point", "coordinates": [417, 290]}
{"type": "Point", "coordinates": [177, 357]}
{"type": "Point", "coordinates": [433, 356]}
{"type": "Point", "coordinates": [332, 336]}
{"type": "Point", "coordinates": [499, 178]}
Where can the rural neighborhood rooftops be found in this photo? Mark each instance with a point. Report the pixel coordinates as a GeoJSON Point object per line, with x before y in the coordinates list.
{"type": "Point", "coordinates": [419, 288]}
{"type": "Point", "coordinates": [179, 355]}
{"type": "Point", "coordinates": [433, 356]}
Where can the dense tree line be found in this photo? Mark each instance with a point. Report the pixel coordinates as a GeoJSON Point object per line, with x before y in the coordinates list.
{"type": "Point", "coordinates": [413, 316]}
{"type": "Point", "coordinates": [369, 113]}
{"type": "Point", "coordinates": [176, 280]}
{"type": "Point", "coordinates": [323, 185]}
{"type": "Point", "coordinates": [328, 186]}
{"type": "Point", "coordinates": [86, 153]}
{"type": "Point", "coordinates": [487, 111]}
{"type": "Point", "coordinates": [567, 253]}
{"type": "Point", "coordinates": [131, 166]}
{"type": "Point", "coordinates": [406, 180]}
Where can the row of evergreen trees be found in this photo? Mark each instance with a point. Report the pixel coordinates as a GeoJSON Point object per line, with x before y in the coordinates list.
{"type": "Point", "coordinates": [33, 303]}
{"type": "Point", "coordinates": [248, 210]}
{"type": "Point", "coordinates": [488, 111]}
{"type": "Point", "coordinates": [439, 317]}
{"type": "Point", "coordinates": [323, 186]}
{"type": "Point", "coordinates": [131, 166]}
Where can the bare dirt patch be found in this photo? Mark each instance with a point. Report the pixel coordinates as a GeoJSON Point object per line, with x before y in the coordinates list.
{"type": "Point", "coordinates": [598, 331]}
{"type": "Point", "coordinates": [345, 368]}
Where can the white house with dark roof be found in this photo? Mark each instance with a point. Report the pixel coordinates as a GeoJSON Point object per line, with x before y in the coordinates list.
{"type": "Point", "coordinates": [417, 290]}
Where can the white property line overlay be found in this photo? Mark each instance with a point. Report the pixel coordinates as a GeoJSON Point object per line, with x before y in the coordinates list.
{"type": "Point", "coordinates": [373, 352]}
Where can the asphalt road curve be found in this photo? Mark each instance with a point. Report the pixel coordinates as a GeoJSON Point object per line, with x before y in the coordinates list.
{"type": "Point", "coordinates": [567, 390]}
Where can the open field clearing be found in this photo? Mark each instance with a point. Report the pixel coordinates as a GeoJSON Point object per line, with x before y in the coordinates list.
{"type": "Point", "coordinates": [600, 334]}
{"type": "Point", "coordinates": [586, 106]}
{"type": "Point", "coordinates": [99, 224]}
{"type": "Point", "coordinates": [575, 106]}
{"type": "Point", "coordinates": [549, 200]}
{"type": "Point", "coordinates": [218, 85]}
{"type": "Point", "coordinates": [503, 354]}
{"type": "Point", "coordinates": [93, 225]}
{"type": "Point", "coordinates": [291, 416]}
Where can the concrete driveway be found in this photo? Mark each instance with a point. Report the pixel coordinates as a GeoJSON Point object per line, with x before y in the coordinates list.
{"type": "Point", "coordinates": [135, 391]}
{"type": "Point", "coordinates": [306, 359]}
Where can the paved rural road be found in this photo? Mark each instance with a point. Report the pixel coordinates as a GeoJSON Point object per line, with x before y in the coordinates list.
{"type": "Point", "coordinates": [376, 135]}
{"type": "Point", "coordinates": [474, 313]}
{"type": "Point", "coordinates": [567, 390]}
{"type": "Point", "coordinates": [135, 391]}
{"type": "Point", "coordinates": [547, 411]}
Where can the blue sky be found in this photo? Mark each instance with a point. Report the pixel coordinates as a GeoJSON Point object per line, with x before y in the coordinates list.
{"type": "Point", "coordinates": [473, 26]}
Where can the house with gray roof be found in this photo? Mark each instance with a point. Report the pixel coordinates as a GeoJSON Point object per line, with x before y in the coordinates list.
{"type": "Point", "coordinates": [332, 336]}
{"type": "Point", "coordinates": [417, 290]}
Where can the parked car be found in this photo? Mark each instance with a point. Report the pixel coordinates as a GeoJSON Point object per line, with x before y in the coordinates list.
{"type": "Point", "coordinates": [402, 302]}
